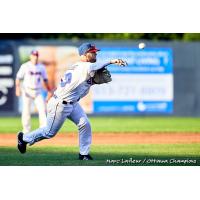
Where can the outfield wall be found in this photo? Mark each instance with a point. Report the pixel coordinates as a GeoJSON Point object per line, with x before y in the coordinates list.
{"type": "Point", "coordinates": [180, 82]}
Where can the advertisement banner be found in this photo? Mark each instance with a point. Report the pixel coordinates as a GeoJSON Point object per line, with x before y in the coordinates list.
{"type": "Point", "coordinates": [144, 86]}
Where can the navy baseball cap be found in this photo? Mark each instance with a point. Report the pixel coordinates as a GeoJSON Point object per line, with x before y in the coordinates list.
{"type": "Point", "coordinates": [35, 53]}
{"type": "Point", "coordinates": [86, 48]}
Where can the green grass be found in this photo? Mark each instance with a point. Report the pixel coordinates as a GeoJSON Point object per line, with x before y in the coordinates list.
{"type": "Point", "coordinates": [105, 155]}
{"type": "Point", "coordinates": [116, 124]}
{"type": "Point", "coordinates": [109, 155]}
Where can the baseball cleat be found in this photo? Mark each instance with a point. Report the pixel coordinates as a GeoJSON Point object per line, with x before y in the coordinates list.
{"type": "Point", "coordinates": [85, 157]}
{"type": "Point", "coordinates": [21, 144]}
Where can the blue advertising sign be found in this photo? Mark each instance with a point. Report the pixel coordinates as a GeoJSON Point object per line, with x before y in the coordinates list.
{"type": "Point", "coordinates": [144, 86]}
{"type": "Point", "coordinates": [150, 60]}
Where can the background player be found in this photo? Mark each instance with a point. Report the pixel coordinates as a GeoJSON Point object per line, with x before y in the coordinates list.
{"type": "Point", "coordinates": [64, 104]}
{"type": "Point", "coordinates": [32, 74]}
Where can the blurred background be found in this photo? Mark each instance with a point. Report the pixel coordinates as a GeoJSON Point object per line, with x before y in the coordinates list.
{"type": "Point", "coordinates": [161, 79]}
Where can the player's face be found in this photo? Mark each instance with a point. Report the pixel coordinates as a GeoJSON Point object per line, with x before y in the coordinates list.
{"type": "Point", "coordinates": [91, 57]}
{"type": "Point", "coordinates": [34, 59]}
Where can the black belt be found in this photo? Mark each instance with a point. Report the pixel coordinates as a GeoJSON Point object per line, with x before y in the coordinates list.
{"type": "Point", "coordinates": [64, 102]}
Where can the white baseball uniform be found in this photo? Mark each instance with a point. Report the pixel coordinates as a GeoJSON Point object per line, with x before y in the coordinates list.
{"type": "Point", "coordinates": [32, 76]}
{"type": "Point", "coordinates": [64, 104]}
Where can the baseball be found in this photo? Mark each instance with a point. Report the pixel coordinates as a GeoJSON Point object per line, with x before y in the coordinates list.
{"type": "Point", "coordinates": [141, 45]}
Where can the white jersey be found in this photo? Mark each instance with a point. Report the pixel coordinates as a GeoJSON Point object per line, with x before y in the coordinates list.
{"type": "Point", "coordinates": [32, 75]}
{"type": "Point", "coordinates": [75, 83]}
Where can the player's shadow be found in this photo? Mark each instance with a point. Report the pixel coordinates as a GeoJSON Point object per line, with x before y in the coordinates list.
{"type": "Point", "coordinates": [66, 157]}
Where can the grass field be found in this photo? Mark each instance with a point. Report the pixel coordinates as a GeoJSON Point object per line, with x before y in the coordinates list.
{"type": "Point", "coordinates": [110, 155]}
{"type": "Point", "coordinates": [116, 124]}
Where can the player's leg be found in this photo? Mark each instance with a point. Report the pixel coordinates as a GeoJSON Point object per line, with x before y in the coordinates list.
{"type": "Point", "coordinates": [79, 117]}
{"type": "Point", "coordinates": [41, 107]}
{"type": "Point", "coordinates": [26, 113]}
{"type": "Point", "coordinates": [56, 115]}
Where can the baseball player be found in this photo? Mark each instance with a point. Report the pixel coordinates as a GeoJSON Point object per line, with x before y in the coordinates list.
{"type": "Point", "coordinates": [74, 85]}
{"type": "Point", "coordinates": [32, 74]}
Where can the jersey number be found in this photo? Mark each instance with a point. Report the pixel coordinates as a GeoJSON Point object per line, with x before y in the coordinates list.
{"type": "Point", "coordinates": [67, 79]}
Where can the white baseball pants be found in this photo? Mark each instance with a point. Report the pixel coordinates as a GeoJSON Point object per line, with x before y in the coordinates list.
{"type": "Point", "coordinates": [57, 113]}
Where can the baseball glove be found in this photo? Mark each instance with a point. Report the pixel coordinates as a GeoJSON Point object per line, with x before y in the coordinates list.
{"type": "Point", "coordinates": [102, 76]}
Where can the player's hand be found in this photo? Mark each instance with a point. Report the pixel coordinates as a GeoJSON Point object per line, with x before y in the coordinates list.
{"type": "Point", "coordinates": [119, 62]}
{"type": "Point", "coordinates": [18, 92]}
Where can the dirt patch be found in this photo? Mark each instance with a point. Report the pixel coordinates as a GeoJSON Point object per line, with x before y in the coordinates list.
{"type": "Point", "coordinates": [71, 139]}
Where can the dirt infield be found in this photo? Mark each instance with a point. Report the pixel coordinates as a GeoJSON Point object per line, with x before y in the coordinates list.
{"type": "Point", "coordinates": [71, 139]}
